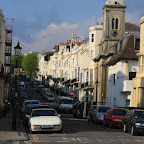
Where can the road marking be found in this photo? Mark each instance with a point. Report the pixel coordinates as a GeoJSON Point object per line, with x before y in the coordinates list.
{"type": "Point", "coordinates": [16, 142]}
{"type": "Point", "coordinates": [35, 138]}
{"type": "Point", "coordinates": [80, 140]}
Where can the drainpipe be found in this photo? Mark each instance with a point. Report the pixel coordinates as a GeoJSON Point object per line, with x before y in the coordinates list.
{"type": "Point", "coordinates": [126, 70]}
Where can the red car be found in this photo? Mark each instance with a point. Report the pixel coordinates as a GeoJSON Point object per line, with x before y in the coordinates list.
{"type": "Point", "coordinates": [114, 117]}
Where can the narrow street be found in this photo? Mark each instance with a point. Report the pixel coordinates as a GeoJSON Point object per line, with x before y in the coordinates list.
{"type": "Point", "coordinates": [76, 131]}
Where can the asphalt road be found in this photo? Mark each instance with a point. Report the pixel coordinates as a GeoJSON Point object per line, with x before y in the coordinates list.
{"type": "Point", "coordinates": [79, 131]}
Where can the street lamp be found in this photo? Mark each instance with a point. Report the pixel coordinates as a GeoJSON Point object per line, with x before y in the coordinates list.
{"type": "Point", "coordinates": [17, 50]}
{"type": "Point", "coordinates": [97, 83]}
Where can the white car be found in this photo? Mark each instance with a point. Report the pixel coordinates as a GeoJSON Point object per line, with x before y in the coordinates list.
{"type": "Point", "coordinates": [45, 119]}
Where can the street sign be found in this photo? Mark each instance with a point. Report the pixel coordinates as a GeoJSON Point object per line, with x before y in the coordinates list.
{"type": "Point", "coordinates": [16, 71]}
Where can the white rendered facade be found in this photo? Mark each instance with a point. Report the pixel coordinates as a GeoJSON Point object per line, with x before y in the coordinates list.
{"type": "Point", "coordinates": [119, 85]}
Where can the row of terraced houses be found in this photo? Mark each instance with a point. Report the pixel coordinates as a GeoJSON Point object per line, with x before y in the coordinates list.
{"type": "Point", "coordinates": [5, 61]}
{"type": "Point", "coordinates": [102, 68]}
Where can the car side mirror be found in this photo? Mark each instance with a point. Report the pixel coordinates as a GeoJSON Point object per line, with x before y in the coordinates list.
{"type": "Point", "coordinates": [59, 115]}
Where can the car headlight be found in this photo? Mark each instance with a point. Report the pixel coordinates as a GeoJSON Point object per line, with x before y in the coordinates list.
{"type": "Point", "coordinates": [138, 124]}
{"type": "Point", "coordinates": [117, 120]}
{"type": "Point", "coordinates": [35, 126]}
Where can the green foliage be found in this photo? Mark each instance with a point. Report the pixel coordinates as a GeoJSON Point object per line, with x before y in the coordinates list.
{"type": "Point", "coordinates": [30, 63]}
{"type": "Point", "coordinates": [19, 60]}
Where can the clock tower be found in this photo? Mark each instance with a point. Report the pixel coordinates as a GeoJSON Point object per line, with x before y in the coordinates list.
{"type": "Point", "coordinates": [113, 22]}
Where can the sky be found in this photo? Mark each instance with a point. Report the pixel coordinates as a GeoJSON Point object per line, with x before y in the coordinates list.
{"type": "Point", "coordinates": [40, 24]}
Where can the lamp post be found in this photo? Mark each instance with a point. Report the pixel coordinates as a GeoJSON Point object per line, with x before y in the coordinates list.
{"type": "Point", "coordinates": [97, 83]}
{"type": "Point", "coordinates": [17, 50]}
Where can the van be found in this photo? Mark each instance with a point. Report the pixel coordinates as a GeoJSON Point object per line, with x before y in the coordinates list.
{"type": "Point", "coordinates": [63, 104]}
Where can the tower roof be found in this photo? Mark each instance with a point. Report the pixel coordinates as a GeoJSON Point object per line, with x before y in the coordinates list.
{"type": "Point", "coordinates": [114, 2]}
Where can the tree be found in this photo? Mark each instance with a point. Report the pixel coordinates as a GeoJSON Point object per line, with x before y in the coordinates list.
{"type": "Point", "coordinates": [30, 63]}
{"type": "Point", "coordinates": [19, 60]}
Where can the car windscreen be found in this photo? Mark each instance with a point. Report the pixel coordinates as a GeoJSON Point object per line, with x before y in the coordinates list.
{"type": "Point", "coordinates": [139, 114]}
{"type": "Point", "coordinates": [66, 101]}
{"type": "Point", "coordinates": [37, 107]}
{"type": "Point", "coordinates": [119, 112]}
{"type": "Point", "coordinates": [44, 113]}
{"type": "Point", "coordinates": [36, 84]}
{"type": "Point", "coordinates": [103, 109]}
{"type": "Point", "coordinates": [50, 96]}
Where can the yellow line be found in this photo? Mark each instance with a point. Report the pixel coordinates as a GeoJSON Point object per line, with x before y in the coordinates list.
{"type": "Point", "coordinates": [33, 138]}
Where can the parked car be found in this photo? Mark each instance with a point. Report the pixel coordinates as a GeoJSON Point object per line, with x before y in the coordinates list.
{"type": "Point", "coordinates": [134, 121]}
{"type": "Point", "coordinates": [23, 94]}
{"type": "Point", "coordinates": [35, 84]}
{"type": "Point", "coordinates": [98, 113]}
{"type": "Point", "coordinates": [75, 109]}
{"type": "Point", "coordinates": [91, 113]}
{"type": "Point", "coordinates": [114, 117]}
{"type": "Point", "coordinates": [42, 91]}
{"type": "Point", "coordinates": [25, 113]}
{"type": "Point", "coordinates": [44, 120]}
{"type": "Point", "coordinates": [63, 104]}
{"type": "Point", "coordinates": [26, 102]}
{"type": "Point", "coordinates": [39, 87]}
{"type": "Point", "coordinates": [21, 84]}
{"type": "Point", "coordinates": [32, 81]}
{"type": "Point", "coordinates": [48, 96]}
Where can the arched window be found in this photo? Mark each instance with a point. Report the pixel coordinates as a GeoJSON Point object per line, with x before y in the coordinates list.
{"type": "Point", "coordinates": [116, 26]}
{"type": "Point", "coordinates": [113, 21]}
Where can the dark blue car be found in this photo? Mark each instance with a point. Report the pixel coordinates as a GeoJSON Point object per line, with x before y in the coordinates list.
{"type": "Point", "coordinates": [134, 121]}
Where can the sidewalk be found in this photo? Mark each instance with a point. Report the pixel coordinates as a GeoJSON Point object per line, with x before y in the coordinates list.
{"type": "Point", "coordinates": [6, 132]}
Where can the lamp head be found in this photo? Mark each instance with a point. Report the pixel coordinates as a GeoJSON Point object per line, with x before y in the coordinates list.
{"type": "Point", "coordinates": [17, 49]}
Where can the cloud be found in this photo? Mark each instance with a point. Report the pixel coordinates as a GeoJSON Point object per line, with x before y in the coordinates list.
{"type": "Point", "coordinates": [54, 33]}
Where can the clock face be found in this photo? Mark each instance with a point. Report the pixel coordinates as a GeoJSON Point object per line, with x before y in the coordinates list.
{"type": "Point", "coordinates": [114, 33]}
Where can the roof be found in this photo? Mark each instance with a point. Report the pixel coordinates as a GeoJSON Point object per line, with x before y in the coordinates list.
{"type": "Point", "coordinates": [130, 27]}
{"type": "Point", "coordinates": [127, 53]}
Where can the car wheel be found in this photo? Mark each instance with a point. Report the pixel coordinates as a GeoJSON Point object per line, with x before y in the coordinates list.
{"type": "Point", "coordinates": [133, 132]}
{"type": "Point", "coordinates": [104, 123]}
{"type": "Point", "coordinates": [125, 129]}
{"type": "Point", "coordinates": [111, 124]}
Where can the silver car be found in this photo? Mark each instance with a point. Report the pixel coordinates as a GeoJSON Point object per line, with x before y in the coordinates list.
{"type": "Point", "coordinates": [99, 113]}
{"type": "Point", "coordinates": [49, 96]}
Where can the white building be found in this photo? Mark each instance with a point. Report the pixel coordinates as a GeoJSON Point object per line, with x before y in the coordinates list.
{"type": "Point", "coordinates": [123, 67]}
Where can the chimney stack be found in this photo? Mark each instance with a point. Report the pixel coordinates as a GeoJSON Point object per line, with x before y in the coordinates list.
{"type": "Point", "coordinates": [72, 34]}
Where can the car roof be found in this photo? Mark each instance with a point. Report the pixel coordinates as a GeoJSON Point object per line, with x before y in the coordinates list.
{"type": "Point", "coordinates": [31, 100]}
{"type": "Point", "coordinates": [41, 86]}
{"type": "Point", "coordinates": [44, 109]}
{"type": "Point", "coordinates": [32, 105]}
{"type": "Point", "coordinates": [64, 97]}
{"type": "Point", "coordinates": [48, 92]}
{"type": "Point", "coordinates": [119, 109]}
{"type": "Point", "coordinates": [103, 106]}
